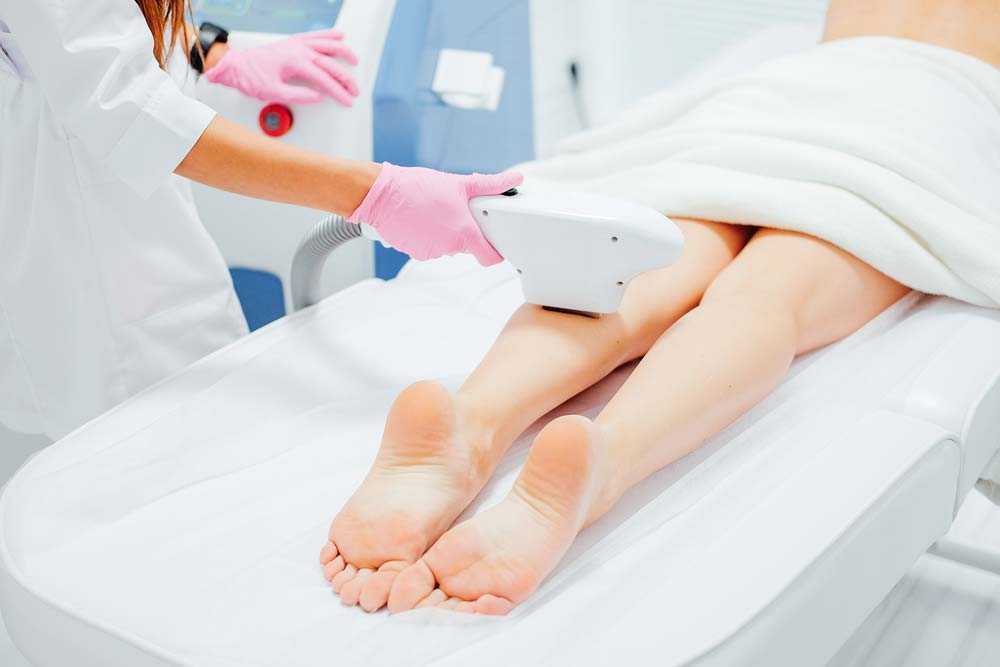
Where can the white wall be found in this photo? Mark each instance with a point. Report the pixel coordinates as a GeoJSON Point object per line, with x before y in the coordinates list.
{"type": "Point", "coordinates": [627, 49]}
{"type": "Point", "coordinates": [555, 25]}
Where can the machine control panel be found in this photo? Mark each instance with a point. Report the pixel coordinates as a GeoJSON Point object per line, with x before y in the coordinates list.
{"type": "Point", "coordinates": [270, 16]}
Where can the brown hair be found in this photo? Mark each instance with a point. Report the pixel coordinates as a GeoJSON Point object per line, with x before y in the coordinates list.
{"type": "Point", "coordinates": [166, 21]}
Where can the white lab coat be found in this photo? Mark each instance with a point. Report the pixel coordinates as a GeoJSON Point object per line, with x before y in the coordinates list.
{"type": "Point", "coordinates": [108, 280]}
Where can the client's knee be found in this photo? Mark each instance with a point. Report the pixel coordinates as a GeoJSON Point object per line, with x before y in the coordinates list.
{"type": "Point", "coordinates": [752, 307]}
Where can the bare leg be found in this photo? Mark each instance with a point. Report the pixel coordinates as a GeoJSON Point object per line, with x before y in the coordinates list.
{"type": "Point", "coordinates": [785, 294]}
{"type": "Point", "coordinates": [551, 357]}
{"type": "Point", "coordinates": [438, 450]}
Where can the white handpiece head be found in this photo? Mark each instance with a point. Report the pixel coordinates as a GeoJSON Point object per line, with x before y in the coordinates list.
{"type": "Point", "coordinates": [370, 233]}
{"type": "Point", "coordinates": [577, 252]}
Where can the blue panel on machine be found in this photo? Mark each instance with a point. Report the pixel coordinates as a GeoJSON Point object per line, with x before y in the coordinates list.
{"type": "Point", "coordinates": [413, 127]}
{"type": "Point", "coordinates": [260, 294]}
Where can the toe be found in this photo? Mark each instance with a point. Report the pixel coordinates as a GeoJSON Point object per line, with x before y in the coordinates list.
{"type": "Point", "coordinates": [334, 567]}
{"type": "Point", "coordinates": [351, 592]}
{"type": "Point", "coordinates": [328, 553]}
{"type": "Point", "coordinates": [491, 605]}
{"type": "Point", "coordinates": [450, 603]}
{"type": "Point", "coordinates": [345, 577]}
{"type": "Point", "coordinates": [466, 607]}
{"type": "Point", "coordinates": [375, 593]}
{"type": "Point", "coordinates": [411, 586]}
{"type": "Point", "coordinates": [436, 597]}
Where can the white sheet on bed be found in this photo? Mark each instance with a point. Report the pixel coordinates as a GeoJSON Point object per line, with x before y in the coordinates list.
{"type": "Point", "coordinates": [192, 517]}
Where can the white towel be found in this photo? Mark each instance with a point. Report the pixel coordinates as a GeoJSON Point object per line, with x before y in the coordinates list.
{"type": "Point", "coordinates": [885, 147]}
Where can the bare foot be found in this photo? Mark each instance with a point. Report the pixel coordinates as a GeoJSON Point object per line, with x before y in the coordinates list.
{"type": "Point", "coordinates": [429, 468]}
{"type": "Point", "coordinates": [494, 561]}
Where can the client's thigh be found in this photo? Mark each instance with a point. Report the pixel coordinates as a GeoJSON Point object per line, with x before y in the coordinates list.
{"type": "Point", "coordinates": [829, 292]}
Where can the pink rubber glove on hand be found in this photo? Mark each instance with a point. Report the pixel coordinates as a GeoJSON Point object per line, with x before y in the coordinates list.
{"type": "Point", "coordinates": [425, 213]}
{"type": "Point", "coordinates": [264, 72]}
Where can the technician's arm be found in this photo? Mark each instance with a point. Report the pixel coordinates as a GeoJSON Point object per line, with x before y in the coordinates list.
{"type": "Point", "coordinates": [230, 157]}
{"type": "Point", "coordinates": [422, 212]}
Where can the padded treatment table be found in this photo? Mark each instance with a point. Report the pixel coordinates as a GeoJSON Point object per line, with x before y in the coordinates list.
{"type": "Point", "coordinates": [183, 528]}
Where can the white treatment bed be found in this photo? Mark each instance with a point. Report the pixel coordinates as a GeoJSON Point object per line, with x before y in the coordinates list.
{"type": "Point", "coordinates": [183, 527]}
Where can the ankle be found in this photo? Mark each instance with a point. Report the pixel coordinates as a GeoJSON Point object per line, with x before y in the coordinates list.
{"type": "Point", "coordinates": [608, 486]}
{"type": "Point", "coordinates": [483, 433]}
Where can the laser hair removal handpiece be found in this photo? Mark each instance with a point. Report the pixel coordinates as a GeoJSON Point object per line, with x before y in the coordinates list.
{"type": "Point", "coordinates": [577, 252]}
{"type": "Point", "coordinates": [574, 252]}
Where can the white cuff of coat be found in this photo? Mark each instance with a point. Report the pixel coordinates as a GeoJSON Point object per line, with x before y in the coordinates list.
{"type": "Point", "coordinates": [159, 139]}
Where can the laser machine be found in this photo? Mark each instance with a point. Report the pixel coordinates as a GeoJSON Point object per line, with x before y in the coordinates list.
{"type": "Point", "coordinates": [444, 84]}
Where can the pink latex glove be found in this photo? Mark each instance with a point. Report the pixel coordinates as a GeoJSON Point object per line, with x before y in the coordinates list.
{"type": "Point", "coordinates": [265, 72]}
{"type": "Point", "coordinates": [425, 213]}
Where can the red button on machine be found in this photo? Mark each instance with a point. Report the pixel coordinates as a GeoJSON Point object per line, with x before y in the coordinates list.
{"type": "Point", "coordinates": [276, 120]}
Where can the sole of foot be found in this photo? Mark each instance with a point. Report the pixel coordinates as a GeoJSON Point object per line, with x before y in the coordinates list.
{"type": "Point", "coordinates": [426, 473]}
{"type": "Point", "coordinates": [497, 559]}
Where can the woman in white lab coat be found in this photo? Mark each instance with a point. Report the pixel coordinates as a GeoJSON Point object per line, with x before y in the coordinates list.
{"type": "Point", "coordinates": [108, 280]}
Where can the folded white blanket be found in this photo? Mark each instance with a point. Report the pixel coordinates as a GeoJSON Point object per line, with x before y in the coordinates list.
{"type": "Point", "coordinates": [885, 147]}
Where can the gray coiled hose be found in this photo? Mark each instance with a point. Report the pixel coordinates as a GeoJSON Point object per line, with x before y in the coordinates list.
{"type": "Point", "coordinates": [311, 256]}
